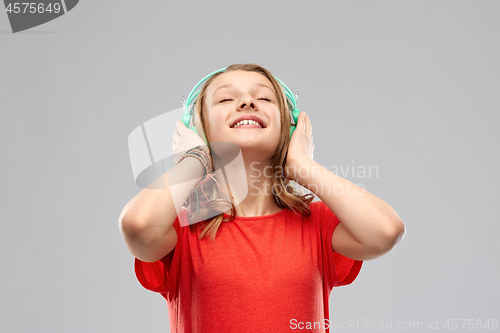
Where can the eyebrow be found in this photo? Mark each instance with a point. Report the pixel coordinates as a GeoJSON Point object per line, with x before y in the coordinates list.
{"type": "Point", "coordinates": [232, 85]}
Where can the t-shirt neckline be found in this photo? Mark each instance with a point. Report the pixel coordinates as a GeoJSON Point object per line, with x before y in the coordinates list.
{"type": "Point", "coordinates": [263, 217]}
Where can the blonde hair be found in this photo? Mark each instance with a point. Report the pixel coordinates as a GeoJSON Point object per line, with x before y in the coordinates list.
{"type": "Point", "coordinates": [284, 194]}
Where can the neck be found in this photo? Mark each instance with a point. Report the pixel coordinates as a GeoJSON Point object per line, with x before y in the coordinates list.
{"type": "Point", "coordinates": [249, 180]}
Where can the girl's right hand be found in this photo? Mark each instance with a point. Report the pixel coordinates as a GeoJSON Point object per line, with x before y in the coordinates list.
{"type": "Point", "coordinates": [185, 139]}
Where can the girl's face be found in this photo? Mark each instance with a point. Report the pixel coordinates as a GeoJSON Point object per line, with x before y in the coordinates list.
{"type": "Point", "coordinates": [241, 95]}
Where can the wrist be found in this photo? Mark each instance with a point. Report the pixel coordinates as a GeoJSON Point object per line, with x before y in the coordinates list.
{"type": "Point", "coordinates": [300, 170]}
{"type": "Point", "coordinates": [193, 167]}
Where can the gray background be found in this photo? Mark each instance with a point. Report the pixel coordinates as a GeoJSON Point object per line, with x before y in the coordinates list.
{"type": "Point", "coordinates": [408, 86]}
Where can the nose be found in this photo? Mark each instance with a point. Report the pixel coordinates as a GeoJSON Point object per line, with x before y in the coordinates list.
{"type": "Point", "coordinates": [246, 103]}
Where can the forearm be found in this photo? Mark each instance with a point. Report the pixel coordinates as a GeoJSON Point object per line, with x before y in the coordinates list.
{"type": "Point", "coordinates": [154, 209]}
{"type": "Point", "coordinates": [370, 220]}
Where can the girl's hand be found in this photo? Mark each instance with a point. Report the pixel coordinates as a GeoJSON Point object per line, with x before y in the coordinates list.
{"type": "Point", "coordinates": [185, 139]}
{"type": "Point", "coordinates": [301, 146]}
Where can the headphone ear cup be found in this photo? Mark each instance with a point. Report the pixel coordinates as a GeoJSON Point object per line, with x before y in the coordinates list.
{"type": "Point", "coordinates": [186, 118]}
{"type": "Point", "coordinates": [193, 129]}
{"type": "Point", "coordinates": [295, 115]}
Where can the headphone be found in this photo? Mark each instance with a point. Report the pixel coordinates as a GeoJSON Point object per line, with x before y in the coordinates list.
{"type": "Point", "coordinates": [192, 98]}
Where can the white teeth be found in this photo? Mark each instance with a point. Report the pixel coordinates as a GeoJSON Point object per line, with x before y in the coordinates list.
{"type": "Point", "coordinates": [247, 122]}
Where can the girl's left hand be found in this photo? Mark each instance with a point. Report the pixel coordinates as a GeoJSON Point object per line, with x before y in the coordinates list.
{"type": "Point", "coordinates": [301, 146]}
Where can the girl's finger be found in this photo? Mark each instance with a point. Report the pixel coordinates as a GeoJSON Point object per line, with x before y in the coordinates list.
{"type": "Point", "coordinates": [303, 121]}
{"type": "Point", "coordinates": [308, 124]}
{"type": "Point", "coordinates": [180, 126]}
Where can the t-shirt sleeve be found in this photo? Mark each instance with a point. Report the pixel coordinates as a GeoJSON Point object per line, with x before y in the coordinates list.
{"type": "Point", "coordinates": [160, 276]}
{"type": "Point", "coordinates": [340, 269]}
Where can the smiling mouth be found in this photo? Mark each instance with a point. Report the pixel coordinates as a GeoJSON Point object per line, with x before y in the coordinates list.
{"type": "Point", "coordinates": [248, 124]}
{"type": "Point", "coordinates": [247, 127]}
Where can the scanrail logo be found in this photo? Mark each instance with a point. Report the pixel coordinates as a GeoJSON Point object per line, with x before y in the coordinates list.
{"type": "Point", "coordinates": [26, 15]}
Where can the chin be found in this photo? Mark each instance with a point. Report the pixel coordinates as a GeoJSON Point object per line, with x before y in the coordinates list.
{"type": "Point", "coordinates": [249, 140]}
{"type": "Point", "coordinates": [264, 148]}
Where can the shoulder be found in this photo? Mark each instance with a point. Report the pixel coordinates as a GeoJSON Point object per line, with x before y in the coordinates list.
{"type": "Point", "coordinates": [320, 211]}
{"type": "Point", "coordinates": [323, 218]}
{"type": "Point", "coordinates": [316, 205]}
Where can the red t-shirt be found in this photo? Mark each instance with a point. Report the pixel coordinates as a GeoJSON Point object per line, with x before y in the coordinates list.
{"type": "Point", "coordinates": [261, 274]}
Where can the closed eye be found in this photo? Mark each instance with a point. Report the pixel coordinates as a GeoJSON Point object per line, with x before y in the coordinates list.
{"type": "Point", "coordinates": [230, 99]}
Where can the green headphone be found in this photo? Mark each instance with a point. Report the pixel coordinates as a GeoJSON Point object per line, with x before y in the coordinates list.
{"type": "Point", "coordinates": [191, 100]}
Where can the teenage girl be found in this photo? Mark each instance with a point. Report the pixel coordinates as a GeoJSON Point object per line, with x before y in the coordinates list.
{"type": "Point", "coordinates": [270, 262]}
